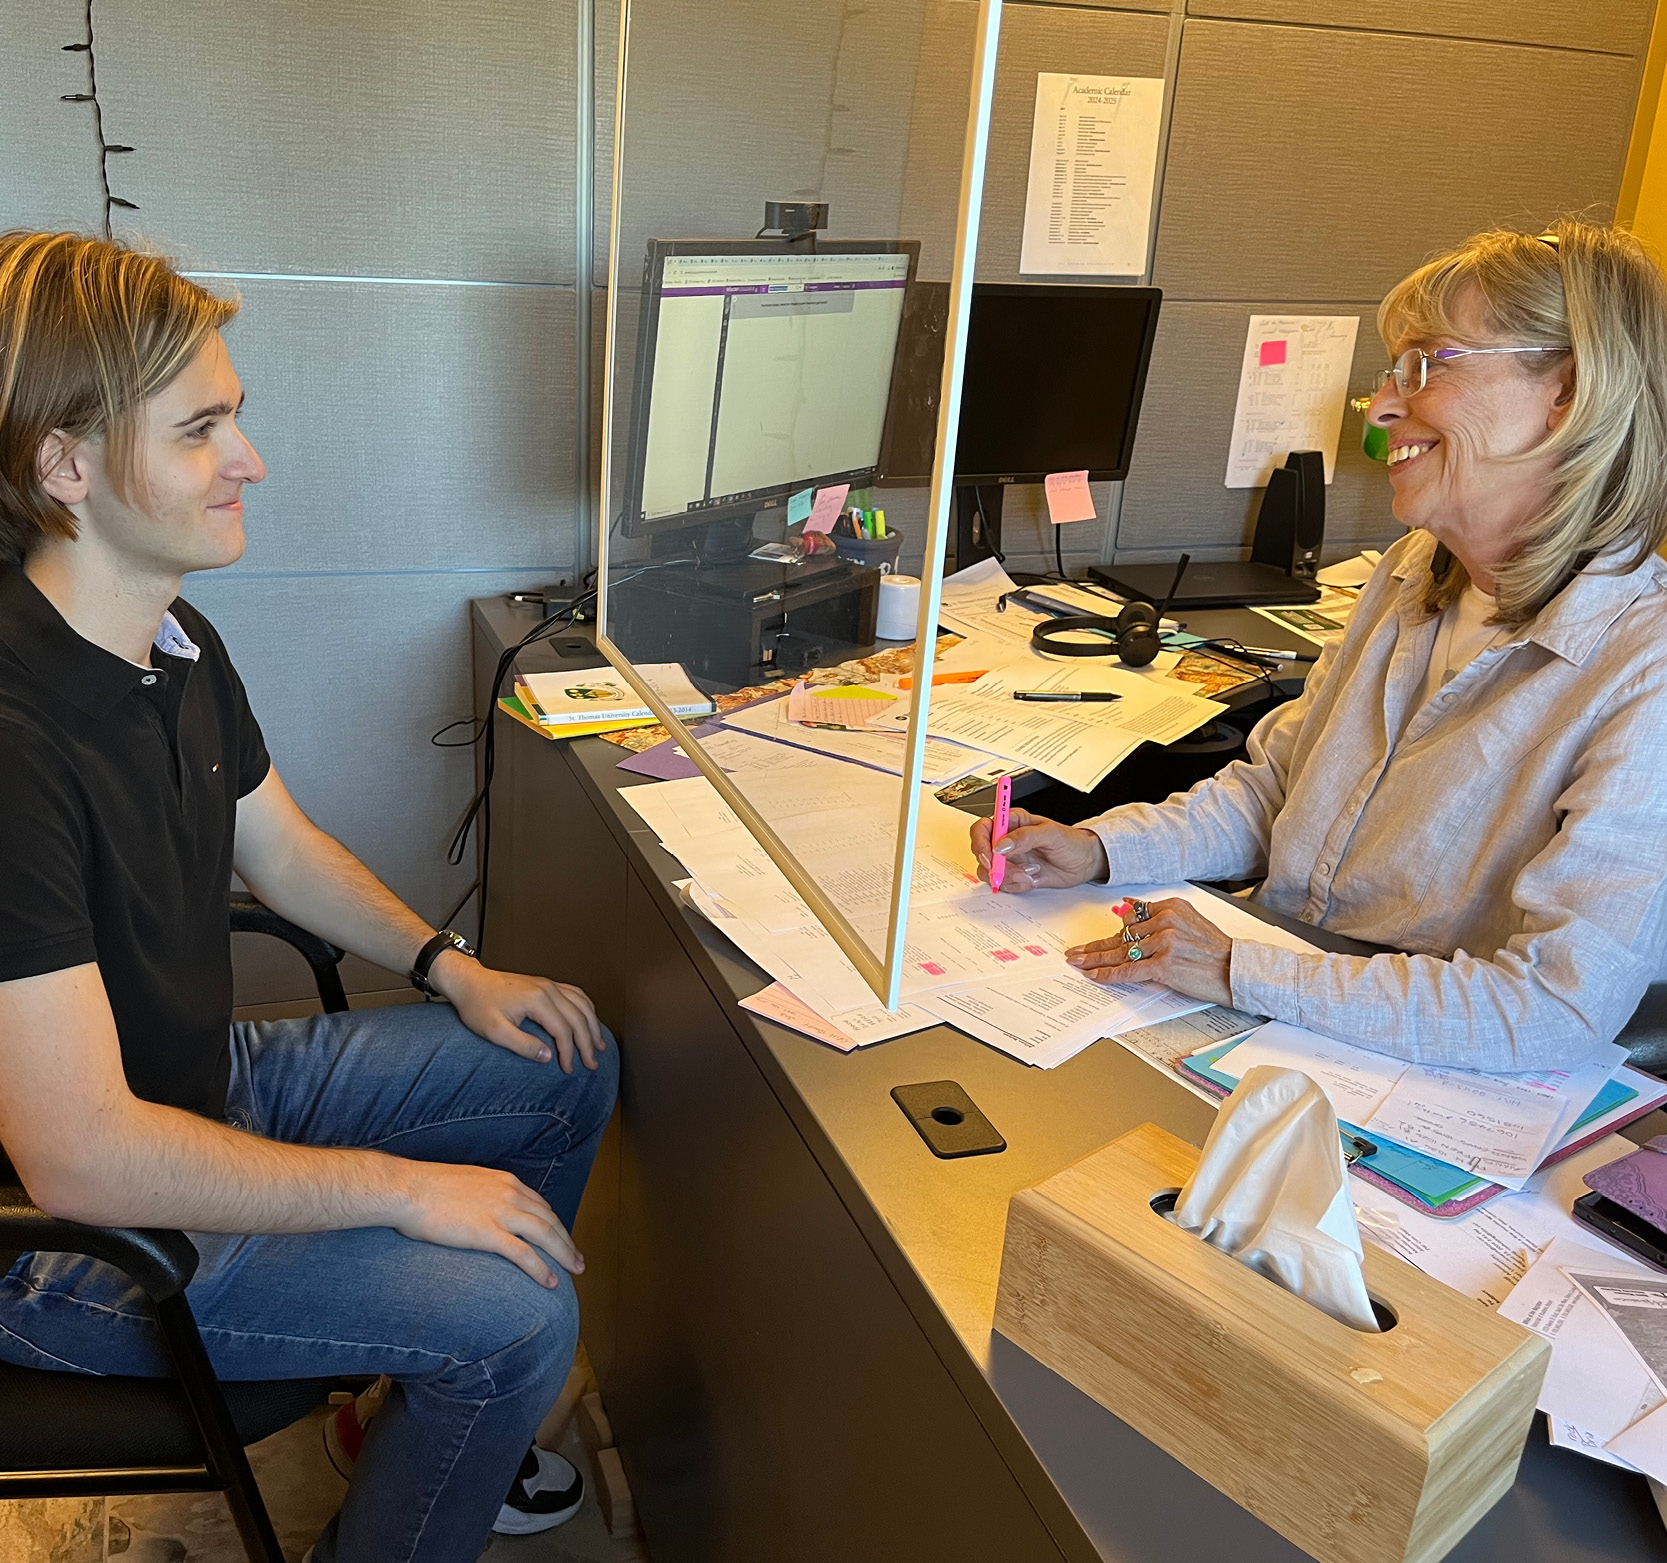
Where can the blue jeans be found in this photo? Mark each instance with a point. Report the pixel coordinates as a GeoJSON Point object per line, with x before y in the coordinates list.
{"type": "Point", "coordinates": [478, 1350]}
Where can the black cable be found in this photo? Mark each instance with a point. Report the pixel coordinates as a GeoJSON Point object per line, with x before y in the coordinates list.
{"type": "Point", "coordinates": [106, 149]}
{"type": "Point", "coordinates": [485, 729]}
{"type": "Point", "coordinates": [1059, 555]}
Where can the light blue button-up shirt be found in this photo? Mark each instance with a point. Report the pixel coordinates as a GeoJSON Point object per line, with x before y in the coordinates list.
{"type": "Point", "coordinates": [1512, 840]}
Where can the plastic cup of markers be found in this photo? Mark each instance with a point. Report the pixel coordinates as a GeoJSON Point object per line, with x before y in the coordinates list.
{"type": "Point", "coordinates": [878, 553]}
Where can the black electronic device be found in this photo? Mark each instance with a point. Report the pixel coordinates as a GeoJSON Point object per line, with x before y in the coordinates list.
{"type": "Point", "coordinates": [1053, 380]}
{"type": "Point", "coordinates": [763, 367]}
{"type": "Point", "coordinates": [1284, 552]}
{"type": "Point", "coordinates": [1624, 1227]}
{"type": "Point", "coordinates": [1290, 526]}
{"type": "Point", "coordinates": [948, 1119]}
{"type": "Point", "coordinates": [731, 625]}
{"type": "Point", "coordinates": [1132, 637]}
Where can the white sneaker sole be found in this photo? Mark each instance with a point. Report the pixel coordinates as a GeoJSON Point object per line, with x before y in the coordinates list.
{"type": "Point", "coordinates": [512, 1522]}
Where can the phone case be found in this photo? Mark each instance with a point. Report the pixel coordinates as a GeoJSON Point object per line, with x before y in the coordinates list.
{"type": "Point", "coordinates": [1637, 1183]}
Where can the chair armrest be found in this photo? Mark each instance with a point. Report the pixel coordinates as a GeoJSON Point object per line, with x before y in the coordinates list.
{"type": "Point", "coordinates": [249, 915]}
{"type": "Point", "coordinates": [162, 1262]}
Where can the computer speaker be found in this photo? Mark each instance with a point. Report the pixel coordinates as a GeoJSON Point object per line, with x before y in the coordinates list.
{"type": "Point", "coordinates": [1290, 527]}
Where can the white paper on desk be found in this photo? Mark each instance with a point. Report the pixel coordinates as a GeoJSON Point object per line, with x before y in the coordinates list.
{"type": "Point", "coordinates": [853, 1029]}
{"type": "Point", "coordinates": [1643, 1446]}
{"type": "Point", "coordinates": [1164, 1043]}
{"type": "Point", "coordinates": [1075, 744]}
{"type": "Point", "coordinates": [1041, 1021]}
{"type": "Point", "coordinates": [1497, 1126]}
{"type": "Point", "coordinates": [1635, 1305]}
{"type": "Point", "coordinates": [1485, 1252]}
{"type": "Point", "coordinates": [1292, 387]}
{"type": "Point", "coordinates": [746, 755]}
{"type": "Point", "coordinates": [943, 762]}
{"type": "Point", "coordinates": [1565, 1435]}
{"type": "Point", "coordinates": [1594, 1379]}
{"type": "Point", "coordinates": [1356, 1082]}
{"type": "Point", "coordinates": [1093, 160]}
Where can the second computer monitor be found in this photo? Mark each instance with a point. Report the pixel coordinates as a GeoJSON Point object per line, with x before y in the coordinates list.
{"type": "Point", "coordinates": [1053, 382]}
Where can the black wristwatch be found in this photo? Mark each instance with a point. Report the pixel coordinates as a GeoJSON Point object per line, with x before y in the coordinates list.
{"type": "Point", "coordinates": [444, 940]}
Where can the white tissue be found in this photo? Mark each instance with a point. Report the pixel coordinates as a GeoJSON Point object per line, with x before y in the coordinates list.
{"type": "Point", "coordinates": [1271, 1190]}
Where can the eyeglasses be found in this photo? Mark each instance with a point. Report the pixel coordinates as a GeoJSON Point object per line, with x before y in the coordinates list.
{"type": "Point", "coordinates": [1410, 371]}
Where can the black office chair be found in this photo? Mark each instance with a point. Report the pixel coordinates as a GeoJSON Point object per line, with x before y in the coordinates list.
{"type": "Point", "coordinates": [67, 1435]}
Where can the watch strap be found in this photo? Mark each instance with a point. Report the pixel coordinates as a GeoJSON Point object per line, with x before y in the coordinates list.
{"type": "Point", "coordinates": [446, 939]}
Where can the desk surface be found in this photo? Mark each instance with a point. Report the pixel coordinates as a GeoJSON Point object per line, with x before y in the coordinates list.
{"type": "Point", "coordinates": [937, 1227]}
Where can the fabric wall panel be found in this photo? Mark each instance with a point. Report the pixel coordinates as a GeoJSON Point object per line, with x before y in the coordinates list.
{"type": "Point", "coordinates": [425, 139]}
{"type": "Point", "coordinates": [407, 426]}
{"type": "Point", "coordinates": [737, 103]}
{"type": "Point", "coordinates": [1613, 26]}
{"type": "Point", "coordinates": [1035, 38]}
{"type": "Point", "coordinates": [1315, 190]}
{"type": "Point", "coordinates": [349, 675]}
{"type": "Point", "coordinates": [1174, 497]}
{"type": "Point", "coordinates": [48, 148]}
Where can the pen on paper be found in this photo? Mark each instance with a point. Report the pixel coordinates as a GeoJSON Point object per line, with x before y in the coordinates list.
{"type": "Point", "coordinates": [1054, 695]}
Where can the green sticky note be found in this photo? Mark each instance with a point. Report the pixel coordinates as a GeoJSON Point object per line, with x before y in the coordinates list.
{"type": "Point", "coordinates": [798, 506]}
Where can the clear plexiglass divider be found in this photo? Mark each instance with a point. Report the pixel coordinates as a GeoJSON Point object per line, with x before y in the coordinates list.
{"type": "Point", "coordinates": [779, 449]}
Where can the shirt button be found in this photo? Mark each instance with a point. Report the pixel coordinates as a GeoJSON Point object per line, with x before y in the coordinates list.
{"type": "Point", "coordinates": [1447, 700]}
{"type": "Point", "coordinates": [1325, 868]}
{"type": "Point", "coordinates": [149, 678]}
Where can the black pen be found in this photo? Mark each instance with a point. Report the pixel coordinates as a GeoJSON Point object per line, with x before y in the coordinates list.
{"type": "Point", "coordinates": [1064, 694]}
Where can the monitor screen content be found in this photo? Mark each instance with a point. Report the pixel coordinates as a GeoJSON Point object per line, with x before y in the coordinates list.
{"type": "Point", "coordinates": [1053, 381]}
{"type": "Point", "coordinates": [765, 372]}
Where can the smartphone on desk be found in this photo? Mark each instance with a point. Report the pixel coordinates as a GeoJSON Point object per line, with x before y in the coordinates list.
{"type": "Point", "coordinates": [1623, 1228]}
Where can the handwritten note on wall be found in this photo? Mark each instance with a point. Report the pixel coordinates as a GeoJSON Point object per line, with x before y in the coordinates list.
{"type": "Point", "coordinates": [1292, 389]}
{"type": "Point", "coordinates": [1093, 160]}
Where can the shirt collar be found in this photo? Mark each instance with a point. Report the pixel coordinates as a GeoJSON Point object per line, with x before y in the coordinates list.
{"type": "Point", "coordinates": [1577, 618]}
{"type": "Point", "coordinates": [87, 676]}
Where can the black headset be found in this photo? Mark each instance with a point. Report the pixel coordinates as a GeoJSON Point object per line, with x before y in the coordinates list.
{"type": "Point", "coordinates": [1133, 633]}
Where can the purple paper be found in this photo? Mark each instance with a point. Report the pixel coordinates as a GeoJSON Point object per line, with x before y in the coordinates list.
{"type": "Point", "coordinates": [663, 762]}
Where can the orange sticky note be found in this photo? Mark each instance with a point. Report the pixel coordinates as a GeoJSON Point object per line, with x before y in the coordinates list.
{"type": "Point", "coordinates": [1068, 497]}
{"type": "Point", "coordinates": [825, 511]}
{"type": "Point", "coordinates": [1273, 353]}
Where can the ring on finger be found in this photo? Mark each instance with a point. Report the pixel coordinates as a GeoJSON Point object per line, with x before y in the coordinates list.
{"type": "Point", "coordinates": [1136, 953]}
{"type": "Point", "coordinates": [1142, 911]}
{"type": "Point", "coordinates": [1130, 936]}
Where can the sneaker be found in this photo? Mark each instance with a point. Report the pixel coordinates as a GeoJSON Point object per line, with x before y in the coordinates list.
{"type": "Point", "coordinates": [546, 1492]}
{"type": "Point", "coordinates": [344, 1428]}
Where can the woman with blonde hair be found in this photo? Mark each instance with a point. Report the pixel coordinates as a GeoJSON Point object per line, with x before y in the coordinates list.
{"type": "Point", "coordinates": [1472, 775]}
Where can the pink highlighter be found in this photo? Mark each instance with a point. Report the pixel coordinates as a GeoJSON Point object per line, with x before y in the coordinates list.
{"type": "Point", "coordinates": [998, 829]}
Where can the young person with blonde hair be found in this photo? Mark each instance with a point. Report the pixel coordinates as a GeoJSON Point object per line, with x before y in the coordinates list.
{"type": "Point", "coordinates": [1472, 776]}
{"type": "Point", "coordinates": [382, 1192]}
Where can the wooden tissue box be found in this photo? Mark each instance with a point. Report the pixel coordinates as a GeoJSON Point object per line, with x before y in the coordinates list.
{"type": "Point", "coordinates": [1358, 1447]}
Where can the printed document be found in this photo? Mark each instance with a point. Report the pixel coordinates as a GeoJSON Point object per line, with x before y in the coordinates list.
{"type": "Point", "coordinates": [1497, 1126]}
{"type": "Point", "coordinates": [1292, 388]}
{"type": "Point", "coordinates": [1093, 161]}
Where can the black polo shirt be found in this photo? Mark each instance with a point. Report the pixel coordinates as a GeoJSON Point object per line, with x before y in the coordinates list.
{"type": "Point", "coordinates": [118, 801]}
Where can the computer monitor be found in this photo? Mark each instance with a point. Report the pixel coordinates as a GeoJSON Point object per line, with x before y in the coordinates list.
{"type": "Point", "coordinates": [1053, 382]}
{"type": "Point", "coordinates": [762, 368]}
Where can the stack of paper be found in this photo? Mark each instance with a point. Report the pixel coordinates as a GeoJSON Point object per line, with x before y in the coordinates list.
{"type": "Point", "coordinates": [1078, 744]}
{"type": "Point", "coordinates": [1494, 1126]}
{"type": "Point", "coordinates": [991, 965]}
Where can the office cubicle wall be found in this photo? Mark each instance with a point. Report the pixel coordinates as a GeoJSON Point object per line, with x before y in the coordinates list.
{"type": "Point", "coordinates": [391, 189]}
{"type": "Point", "coordinates": [395, 188]}
{"type": "Point", "coordinates": [1317, 150]}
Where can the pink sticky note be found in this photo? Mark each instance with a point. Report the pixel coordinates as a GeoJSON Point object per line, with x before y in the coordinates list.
{"type": "Point", "coordinates": [825, 511]}
{"type": "Point", "coordinates": [1273, 353]}
{"type": "Point", "coordinates": [1068, 497]}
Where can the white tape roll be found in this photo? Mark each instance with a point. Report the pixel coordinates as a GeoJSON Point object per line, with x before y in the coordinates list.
{"type": "Point", "coordinates": [899, 607]}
